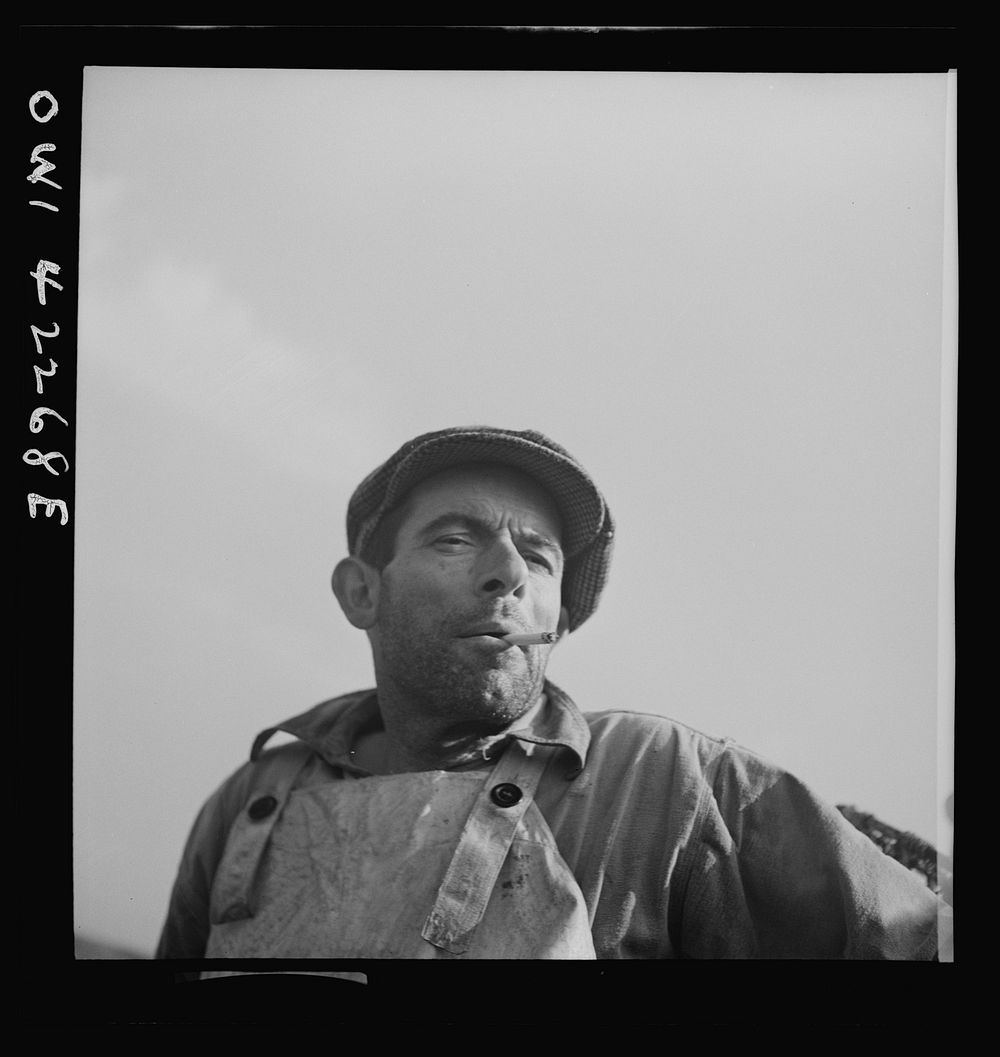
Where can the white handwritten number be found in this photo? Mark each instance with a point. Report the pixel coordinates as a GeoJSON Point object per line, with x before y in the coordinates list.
{"type": "Point", "coordinates": [42, 268]}
{"type": "Point", "coordinates": [36, 424]}
{"type": "Point", "coordinates": [33, 457]}
{"type": "Point", "coordinates": [43, 107]}
{"type": "Point", "coordinates": [39, 373]}
{"type": "Point", "coordinates": [37, 332]}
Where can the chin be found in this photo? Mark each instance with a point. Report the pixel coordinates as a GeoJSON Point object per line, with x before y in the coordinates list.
{"type": "Point", "coordinates": [502, 697]}
{"type": "Point", "coordinates": [461, 693]}
{"type": "Point", "coordinates": [495, 697]}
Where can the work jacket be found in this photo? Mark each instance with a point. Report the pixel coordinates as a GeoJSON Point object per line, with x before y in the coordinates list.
{"type": "Point", "coordinates": [675, 845]}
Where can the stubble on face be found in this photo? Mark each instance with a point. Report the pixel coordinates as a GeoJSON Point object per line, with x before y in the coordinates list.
{"type": "Point", "coordinates": [429, 602]}
{"type": "Point", "coordinates": [428, 666]}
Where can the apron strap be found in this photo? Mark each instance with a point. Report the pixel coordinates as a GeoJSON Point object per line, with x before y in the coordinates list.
{"type": "Point", "coordinates": [232, 889]}
{"type": "Point", "coordinates": [507, 793]}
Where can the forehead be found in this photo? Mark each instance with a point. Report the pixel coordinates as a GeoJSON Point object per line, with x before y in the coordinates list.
{"type": "Point", "coordinates": [484, 490]}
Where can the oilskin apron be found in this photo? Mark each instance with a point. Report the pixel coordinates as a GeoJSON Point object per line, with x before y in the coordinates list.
{"type": "Point", "coordinates": [434, 864]}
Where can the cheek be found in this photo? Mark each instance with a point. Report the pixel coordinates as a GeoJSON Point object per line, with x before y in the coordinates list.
{"type": "Point", "coordinates": [425, 587]}
{"type": "Point", "coordinates": [548, 597]}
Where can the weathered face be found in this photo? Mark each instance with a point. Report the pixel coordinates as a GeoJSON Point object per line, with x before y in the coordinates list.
{"type": "Point", "coordinates": [477, 555]}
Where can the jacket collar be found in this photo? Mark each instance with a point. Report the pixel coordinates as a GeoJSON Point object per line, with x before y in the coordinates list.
{"type": "Point", "coordinates": [332, 727]}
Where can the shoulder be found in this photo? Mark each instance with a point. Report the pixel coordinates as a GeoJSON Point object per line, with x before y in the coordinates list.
{"type": "Point", "coordinates": [621, 722]}
{"type": "Point", "coordinates": [621, 727]}
{"type": "Point", "coordinates": [650, 744]}
{"type": "Point", "coordinates": [317, 726]}
{"type": "Point", "coordinates": [270, 766]}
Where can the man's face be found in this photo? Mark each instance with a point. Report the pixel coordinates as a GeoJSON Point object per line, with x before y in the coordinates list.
{"type": "Point", "coordinates": [477, 555]}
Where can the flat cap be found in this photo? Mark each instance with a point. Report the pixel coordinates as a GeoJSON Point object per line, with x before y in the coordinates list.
{"type": "Point", "coordinates": [588, 528]}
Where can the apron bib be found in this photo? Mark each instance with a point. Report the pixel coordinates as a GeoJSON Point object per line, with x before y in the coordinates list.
{"type": "Point", "coordinates": [434, 864]}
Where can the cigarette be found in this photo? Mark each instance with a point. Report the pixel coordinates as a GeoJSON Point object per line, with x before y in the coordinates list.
{"type": "Point", "coordinates": [533, 638]}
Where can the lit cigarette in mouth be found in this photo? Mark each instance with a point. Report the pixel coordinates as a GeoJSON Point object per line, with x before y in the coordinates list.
{"type": "Point", "coordinates": [531, 638]}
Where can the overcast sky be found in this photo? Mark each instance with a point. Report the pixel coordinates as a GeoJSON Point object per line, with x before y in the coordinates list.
{"type": "Point", "coordinates": [724, 293]}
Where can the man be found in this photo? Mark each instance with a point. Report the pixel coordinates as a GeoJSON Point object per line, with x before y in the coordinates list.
{"type": "Point", "coordinates": [466, 808]}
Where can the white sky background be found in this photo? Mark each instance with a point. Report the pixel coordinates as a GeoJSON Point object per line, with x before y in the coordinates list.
{"type": "Point", "coordinates": [723, 293]}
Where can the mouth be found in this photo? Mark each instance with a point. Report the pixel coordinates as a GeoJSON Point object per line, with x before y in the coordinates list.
{"type": "Point", "coordinates": [494, 631]}
{"type": "Point", "coordinates": [489, 635]}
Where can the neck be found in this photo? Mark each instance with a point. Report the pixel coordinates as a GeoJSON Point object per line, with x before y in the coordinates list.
{"type": "Point", "coordinates": [384, 753]}
{"type": "Point", "coordinates": [415, 741]}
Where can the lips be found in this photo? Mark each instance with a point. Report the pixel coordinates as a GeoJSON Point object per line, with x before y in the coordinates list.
{"type": "Point", "coordinates": [496, 631]}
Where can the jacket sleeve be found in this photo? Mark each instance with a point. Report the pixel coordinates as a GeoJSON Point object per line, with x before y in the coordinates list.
{"type": "Point", "coordinates": [778, 873]}
{"type": "Point", "coordinates": [185, 932]}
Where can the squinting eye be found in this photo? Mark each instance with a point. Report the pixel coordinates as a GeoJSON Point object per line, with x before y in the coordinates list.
{"type": "Point", "coordinates": [538, 560]}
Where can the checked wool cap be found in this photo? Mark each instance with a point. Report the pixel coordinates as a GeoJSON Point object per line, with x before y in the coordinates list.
{"type": "Point", "coordinates": [588, 528]}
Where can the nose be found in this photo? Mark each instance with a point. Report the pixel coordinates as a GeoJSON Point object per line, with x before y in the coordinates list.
{"type": "Point", "coordinates": [503, 571]}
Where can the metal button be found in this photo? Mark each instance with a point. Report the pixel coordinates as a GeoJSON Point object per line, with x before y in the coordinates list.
{"type": "Point", "coordinates": [506, 794]}
{"type": "Point", "coordinates": [262, 808]}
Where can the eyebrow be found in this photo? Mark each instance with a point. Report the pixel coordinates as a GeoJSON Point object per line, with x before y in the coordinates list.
{"type": "Point", "coordinates": [478, 525]}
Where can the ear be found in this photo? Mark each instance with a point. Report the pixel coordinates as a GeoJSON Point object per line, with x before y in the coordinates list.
{"type": "Point", "coordinates": [356, 585]}
{"type": "Point", "coordinates": [563, 624]}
